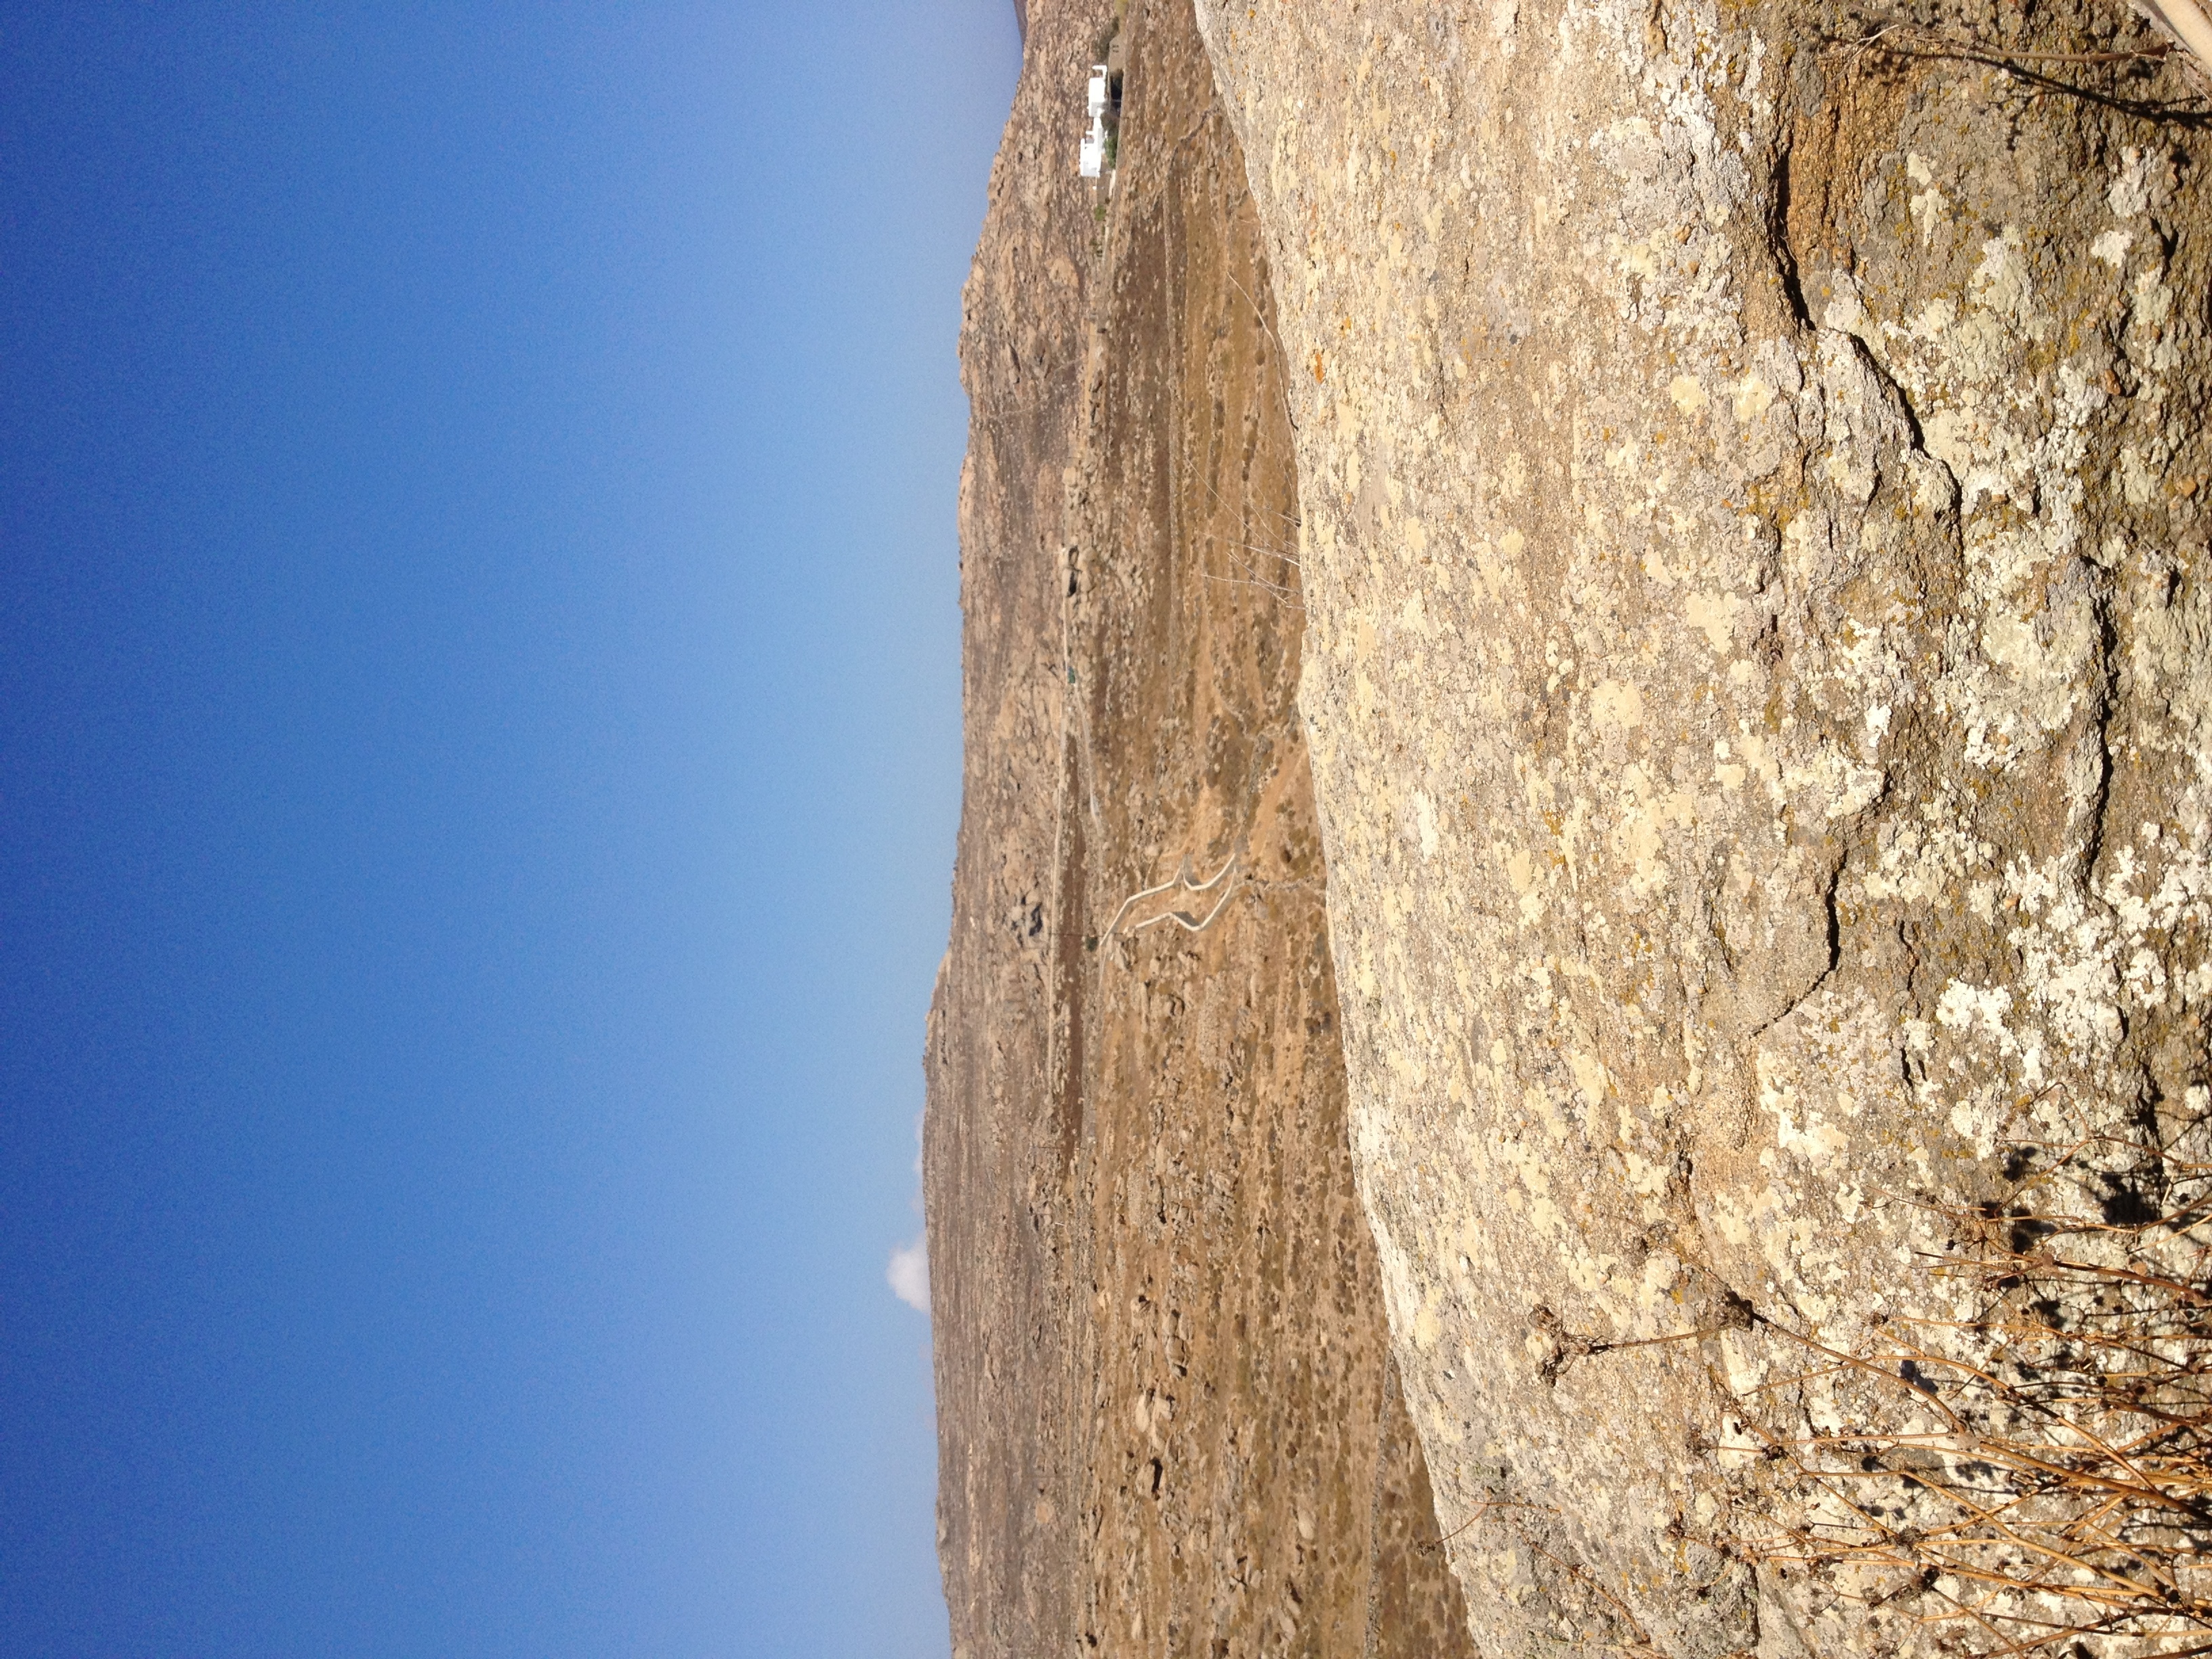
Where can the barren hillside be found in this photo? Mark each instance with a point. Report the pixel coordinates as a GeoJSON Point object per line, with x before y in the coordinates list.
{"type": "Point", "coordinates": [1168, 1422]}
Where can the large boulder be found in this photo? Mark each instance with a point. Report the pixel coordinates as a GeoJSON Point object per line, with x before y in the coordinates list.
{"type": "Point", "coordinates": [1751, 467]}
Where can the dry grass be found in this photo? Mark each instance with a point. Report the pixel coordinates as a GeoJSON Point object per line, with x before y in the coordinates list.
{"type": "Point", "coordinates": [2035, 1477]}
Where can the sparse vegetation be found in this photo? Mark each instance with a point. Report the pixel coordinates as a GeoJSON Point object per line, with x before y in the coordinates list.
{"type": "Point", "coordinates": [2036, 1479]}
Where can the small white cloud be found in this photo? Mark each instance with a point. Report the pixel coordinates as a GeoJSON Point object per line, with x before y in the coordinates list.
{"type": "Point", "coordinates": [908, 1274]}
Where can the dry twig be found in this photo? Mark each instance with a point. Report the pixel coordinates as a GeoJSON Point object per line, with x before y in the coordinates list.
{"type": "Point", "coordinates": [2038, 1476]}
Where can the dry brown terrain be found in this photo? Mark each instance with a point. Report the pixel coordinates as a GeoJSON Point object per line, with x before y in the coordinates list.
{"type": "Point", "coordinates": [1168, 1421]}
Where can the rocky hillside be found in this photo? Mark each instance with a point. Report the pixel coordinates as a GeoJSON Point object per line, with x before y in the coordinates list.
{"type": "Point", "coordinates": [1169, 1420]}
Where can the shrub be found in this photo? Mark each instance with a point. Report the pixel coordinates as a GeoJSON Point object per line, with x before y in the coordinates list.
{"type": "Point", "coordinates": [2036, 1479]}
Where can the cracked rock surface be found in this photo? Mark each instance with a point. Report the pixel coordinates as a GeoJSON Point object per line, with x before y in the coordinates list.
{"type": "Point", "coordinates": [1758, 659]}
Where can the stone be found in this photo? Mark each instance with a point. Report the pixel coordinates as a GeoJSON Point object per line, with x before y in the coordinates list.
{"type": "Point", "coordinates": [1751, 489]}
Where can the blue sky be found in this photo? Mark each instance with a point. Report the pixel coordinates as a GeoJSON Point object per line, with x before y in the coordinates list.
{"type": "Point", "coordinates": [478, 761]}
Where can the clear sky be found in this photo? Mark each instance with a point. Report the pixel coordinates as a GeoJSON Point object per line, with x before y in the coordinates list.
{"type": "Point", "coordinates": [478, 761]}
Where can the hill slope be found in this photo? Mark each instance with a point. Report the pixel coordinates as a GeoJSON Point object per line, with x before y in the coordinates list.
{"type": "Point", "coordinates": [1168, 1419]}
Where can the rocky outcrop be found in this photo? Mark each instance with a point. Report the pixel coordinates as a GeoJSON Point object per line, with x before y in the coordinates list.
{"type": "Point", "coordinates": [1757, 673]}
{"type": "Point", "coordinates": [1168, 1421]}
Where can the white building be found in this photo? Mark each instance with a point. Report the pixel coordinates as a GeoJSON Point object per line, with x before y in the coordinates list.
{"type": "Point", "coordinates": [1094, 141]}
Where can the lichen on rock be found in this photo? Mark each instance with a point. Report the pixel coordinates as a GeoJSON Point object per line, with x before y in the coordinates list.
{"type": "Point", "coordinates": [1756, 675]}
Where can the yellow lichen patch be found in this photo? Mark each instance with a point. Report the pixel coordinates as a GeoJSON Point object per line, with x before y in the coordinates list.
{"type": "Point", "coordinates": [1713, 615]}
{"type": "Point", "coordinates": [1428, 1324]}
{"type": "Point", "coordinates": [1589, 1075]}
{"type": "Point", "coordinates": [1616, 705]}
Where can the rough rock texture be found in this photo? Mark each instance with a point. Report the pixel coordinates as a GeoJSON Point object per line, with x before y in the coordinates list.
{"type": "Point", "coordinates": [1759, 658]}
{"type": "Point", "coordinates": [1168, 1421]}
